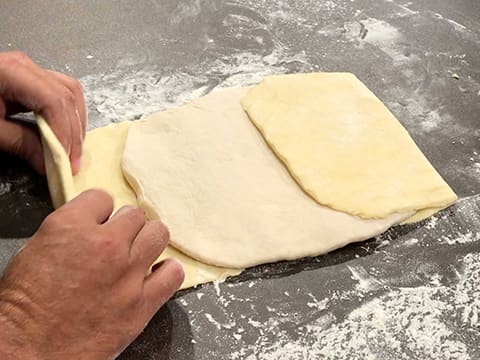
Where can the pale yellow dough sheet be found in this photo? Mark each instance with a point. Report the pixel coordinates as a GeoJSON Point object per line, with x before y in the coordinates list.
{"type": "Point", "coordinates": [344, 147]}
{"type": "Point", "coordinates": [101, 169]}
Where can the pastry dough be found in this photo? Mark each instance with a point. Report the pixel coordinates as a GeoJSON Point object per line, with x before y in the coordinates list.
{"type": "Point", "coordinates": [57, 166]}
{"type": "Point", "coordinates": [101, 168]}
{"type": "Point", "coordinates": [344, 147]}
{"type": "Point", "coordinates": [228, 201]}
{"type": "Point", "coordinates": [207, 172]}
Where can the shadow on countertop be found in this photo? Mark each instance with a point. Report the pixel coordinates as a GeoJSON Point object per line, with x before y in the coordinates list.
{"type": "Point", "coordinates": [24, 198]}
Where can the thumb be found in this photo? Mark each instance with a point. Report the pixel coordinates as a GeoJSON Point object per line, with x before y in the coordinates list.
{"type": "Point", "coordinates": [24, 141]}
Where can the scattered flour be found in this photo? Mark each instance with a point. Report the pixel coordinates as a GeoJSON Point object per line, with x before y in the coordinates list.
{"type": "Point", "coordinates": [467, 294]}
{"type": "Point", "coordinates": [127, 94]}
{"type": "Point", "coordinates": [5, 188]}
{"type": "Point", "coordinates": [432, 222]}
{"type": "Point", "coordinates": [317, 304]}
{"type": "Point", "coordinates": [380, 34]}
{"type": "Point", "coordinates": [218, 325]}
{"type": "Point", "coordinates": [476, 167]}
{"type": "Point", "coordinates": [366, 282]}
{"type": "Point", "coordinates": [411, 242]}
{"type": "Point", "coordinates": [457, 26]}
{"type": "Point", "coordinates": [405, 323]}
{"type": "Point", "coordinates": [461, 239]}
{"type": "Point", "coordinates": [431, 120]}
{"type": "Point", "coordinates": [419, 115]}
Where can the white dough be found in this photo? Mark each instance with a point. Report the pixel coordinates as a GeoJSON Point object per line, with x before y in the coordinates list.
{"type": "Point", "coordinates": [206, 171]}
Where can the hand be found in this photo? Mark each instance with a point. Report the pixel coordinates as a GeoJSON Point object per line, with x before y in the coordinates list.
{"type": "Point", "coordinates": [58, 98]}
{"type": "Point", "coordinates": [79, 288]}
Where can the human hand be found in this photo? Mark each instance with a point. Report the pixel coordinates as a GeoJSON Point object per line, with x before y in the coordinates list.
{"type": "Point", "coordinates": [79, 289]}
{"type": "Point", "coordinates": [24, 86]}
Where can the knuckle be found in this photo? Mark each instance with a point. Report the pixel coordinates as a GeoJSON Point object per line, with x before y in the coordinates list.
{"type": "Point", "coordinates": [101, 196]}
{"type": "Point", "coordinates": [72, 84]}
{"type": "Point", "coordinates": [67, 97]}
{"type": "Point", "coordinates": [22, 145]}
{"type": "Point", "coordinates": [136, 294]}
{"type": "Point", "coordinates": [104, 243]}
{"type": "Point", "coordinates": [135, 299]}
{"type": "Point", "coordinates": [135, 215]}
{"type": "Point", "coordinates": [18, 56]}
{"type": "Point", "coordinates": [61, 100]}
{"type": "Point", "coordinates": [17, 146]}
{"type": "Point", "coordinates": [53, 221]}
{"type": "Point", "coordinates": [76, 86]}
{"type": "Point", "coordinates": [11, 61]}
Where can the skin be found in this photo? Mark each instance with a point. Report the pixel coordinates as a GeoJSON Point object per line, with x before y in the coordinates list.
{"type": "Point", "coordinates": [81, 287]}
{"type": "Point", "coordinates": [24, 86]}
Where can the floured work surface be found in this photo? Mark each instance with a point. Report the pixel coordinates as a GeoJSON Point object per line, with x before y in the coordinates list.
{"type": "Point", "coordinates": [401, 58]}
{"type": "Point", "coordinates": [411, 293]}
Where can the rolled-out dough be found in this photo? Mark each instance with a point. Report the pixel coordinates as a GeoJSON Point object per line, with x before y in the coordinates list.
{"type": "Point", "coordinates": [344, 147]}
{"type": "Point", "coordinates": [227, 199]}
{"type": "Point", "coordinates": [101, 168]}
{"type": "Point", "coordinates": [207, 172]}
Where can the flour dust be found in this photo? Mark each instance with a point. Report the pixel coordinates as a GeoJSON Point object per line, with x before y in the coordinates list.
{"type": "Point", "coordinates": [405, 323]}
{"type": "Point", "coordinates": [130, 94]}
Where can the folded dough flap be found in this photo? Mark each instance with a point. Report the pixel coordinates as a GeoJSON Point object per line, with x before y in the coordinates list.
{"type": "Point", "coordinates": [57, 166]}
{"type": "Point", "coordinates": [344, 147]}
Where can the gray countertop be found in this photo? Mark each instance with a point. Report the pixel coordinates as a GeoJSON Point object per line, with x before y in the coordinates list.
{"type": "Point", "coordinates": [412, 293]}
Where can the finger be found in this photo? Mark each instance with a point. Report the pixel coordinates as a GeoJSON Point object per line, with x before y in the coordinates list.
{"type": "Point", "coordinates": [71, 119]}
{"type": "Point", "coordinates": [3, 109]}
{"type": "Point", "coordinates": [77, 90]}
{"type": "Point", "coordinates": [24, 82]}
{"type": "Point", "coordinates": [161, 284]}
{"type": "Point", "coordinates": [125, 224]}
{"type": "Point", "coordinates": [92, 205]}
{"type": "Point", "coordinates": [22, 140]}
{"type": "Point", "coordinates": [79, 125]}
{"type": "Point", "coordinates": [149, 244]}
